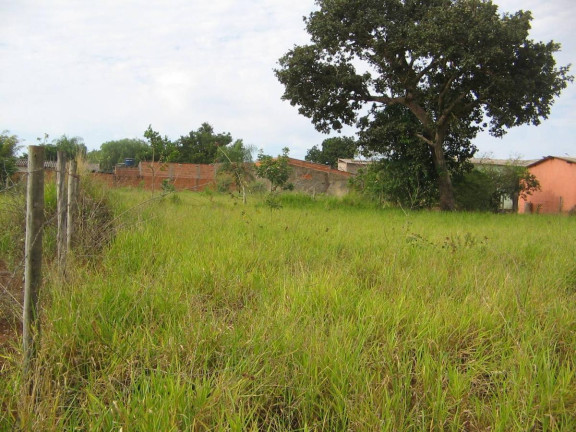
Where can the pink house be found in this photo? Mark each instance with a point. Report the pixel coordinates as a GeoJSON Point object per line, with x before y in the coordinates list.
{"type": "Point", "coordinates": [557, 177]}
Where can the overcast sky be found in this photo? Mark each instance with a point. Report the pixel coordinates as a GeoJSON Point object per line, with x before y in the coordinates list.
{"type": "Point", "coordinates": [105, 70]}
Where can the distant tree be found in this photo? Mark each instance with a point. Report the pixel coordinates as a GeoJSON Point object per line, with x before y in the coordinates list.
{"type": "Point", "coordinates": [485, 187]}
{"type": "Point", "coordinates": [8, 149]}
{"type": "Point", "coordinates": [161, 148]}
{"type": "Point", "coordinates": [454, 64]}
{"type": "Point", "coordinates": [477, 191]}
{"type": "Point", "coordinates": [510, 181]}
{"type": "Point", "coordinates": [201, 146]}
{"type": "Point", "coordinates": [516, 182]}
{"type": "Point", "coordinates": [276, 170]}
{"type": "Point", "coordinates": [114, 152]}
{"type": "Point", "coordinates": [235, 152]}
{"type": "Point", "coordinates": [71, 146]}
{"type": "Point", "coordinates": [332, 149]}
{"type": "Point", "coordinates": [235, 162]}
{"type": "Point", "coordinates": [93, 156]}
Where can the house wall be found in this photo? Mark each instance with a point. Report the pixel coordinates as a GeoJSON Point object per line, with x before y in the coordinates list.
{"type": "Point", "coordinates": [316, 178]}
{"type": "Point", "coordinates": [557, 179]}
{"type": "Point", "coordinates": [352, 166]}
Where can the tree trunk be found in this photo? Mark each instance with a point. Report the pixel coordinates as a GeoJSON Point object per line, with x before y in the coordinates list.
{"type": "Point", "coordinates": [447, 201]}
{"type": "Point", "coordinates": [515, 198]}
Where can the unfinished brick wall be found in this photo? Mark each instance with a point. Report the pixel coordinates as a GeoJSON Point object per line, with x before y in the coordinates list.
{"type": "Point", "coordinates": [305, 176]}
{"type": "Point", "coordinates": [316, 178]}
{"type": "Point", "coordinates": [182, 176]}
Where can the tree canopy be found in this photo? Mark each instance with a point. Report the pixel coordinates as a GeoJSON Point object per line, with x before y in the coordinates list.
{"type": "Point", "coordinates": [234, 161]}
{"type": "Point", "coordinates": [406, 174]}
{"type": "Point", "coordinates": [458, 66]}
{"type": "Point", "coordinates": [201, 146]}
{"type": "Point", "coordinates": [331, 150]}
{"type": "Point", "coordinates": [276, 170]}
{"type": "Point", "coordinates": [236, 152]}
{"type": "Point", "coordinates": [70, 146]}
{"type": "Point", "coordinates": [114, 152]}
{"type": "Point", "coordinates": [161, 148]}
{"type": "Point", "coordinates": [8, 149]}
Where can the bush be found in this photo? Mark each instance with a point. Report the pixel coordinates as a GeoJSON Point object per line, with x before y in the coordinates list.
{"type": "Point", "coordinates": [476, 191]}
{"type": "Point", "coordinates": [397, 182]}
{"type": "Point", "coordinates": [224, 182]}
{"type": "Point", "coordinates": [257, 187]}
{"type": "Point", "coordinates": [168, 186]}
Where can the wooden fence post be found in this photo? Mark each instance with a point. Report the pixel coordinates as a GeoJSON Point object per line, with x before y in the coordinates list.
{"type": "Point", "coordinates": [33, 252]}
{"type": "Point", "coordinates": [61, 197]}
{"type": "Point", "coordinates": [72, 190]}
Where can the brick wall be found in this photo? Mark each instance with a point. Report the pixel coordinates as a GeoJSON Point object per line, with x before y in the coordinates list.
{"type": "Point", "coordinates": [182, 176]}
{"type": "Point", "coordinates": [316, 178]}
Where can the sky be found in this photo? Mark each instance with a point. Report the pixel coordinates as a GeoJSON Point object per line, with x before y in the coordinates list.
{"type": "Point", "coordinates": [105, 70]}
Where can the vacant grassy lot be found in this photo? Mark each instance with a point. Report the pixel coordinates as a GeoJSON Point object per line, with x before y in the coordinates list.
{"type": "Point", "coordinates": [205, 314]}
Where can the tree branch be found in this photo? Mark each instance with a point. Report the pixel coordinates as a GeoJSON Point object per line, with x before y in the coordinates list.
{"type": "Point", "coordinates": [427, 69]}
{"type": "Point", "coordinates": [386, 100]}
{"type": "Point", "coordinates": [444, 90]}
{"type": "Point", "coordinates": [446, 112]}
{"type": "Point", "coordinates": [426, 140]}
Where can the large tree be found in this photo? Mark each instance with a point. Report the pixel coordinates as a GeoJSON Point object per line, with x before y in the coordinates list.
{"type": "Point", "coordinates": [455, 64]}
{"type": "Point", "coordinates": [201, 146]}
{"type": "Point", "coordinates": [70, 146]}
{"type": "Point", "coordinates": [331, 150]}
{"type": "Point", "coordinates": [161, 148]}
{"type": "Point", "coordinates": [406, 174]}
{"type": "Point", "coordinates": [113, 152]}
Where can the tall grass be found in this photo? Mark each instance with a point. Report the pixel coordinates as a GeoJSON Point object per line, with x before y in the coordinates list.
{"type": "Point", "coordinates": [205, 314]}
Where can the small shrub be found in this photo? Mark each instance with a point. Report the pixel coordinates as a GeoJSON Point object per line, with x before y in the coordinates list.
{"type": "Point", "coordinates": [168, 186]}
{"type": "Point", "coordinates": [476, 191]}
{"type": "Point", "coordinates": [224, 182]}
{"type": "Point", "coordinates": [257, 187]}
{"type": "Point", "coordinates": [272, 201]}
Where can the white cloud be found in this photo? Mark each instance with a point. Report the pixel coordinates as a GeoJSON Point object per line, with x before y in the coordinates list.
{"type": "Point", "coordinates": [105, 70]}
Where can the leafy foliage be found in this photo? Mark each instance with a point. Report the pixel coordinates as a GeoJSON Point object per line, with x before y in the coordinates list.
{"type": "Point", "coordinates": [201, 146]}
{"type": "Point", "coordinates": [332, 149]}
{"type": "Point", "coordinates": [515, 182]}
{"type": "Point", "coordinates": [8, 149]}
{"type": "Point", "coordinates": [406, 174]}
{"type": "Point", "coordinates": [113, 152]}
{"type": "Point", "coordinates": [476, 191]}
{"type": "Point", "coordinates": [237, 152]}
{"type": "Point", "coordinates": [235, 167]}
{"type": "Point", "coordinates": [487, 186]}
{"type": "Point", "coordinates": [162, 149]}
{"type": "Point", "coordinates": [276, 170]}
{"type": "Point", "coordinates": [407, 183]}
{"type": "Point", "coordinates": [457, 66]}
{"type": "Point", "coordinates": [70, 146]}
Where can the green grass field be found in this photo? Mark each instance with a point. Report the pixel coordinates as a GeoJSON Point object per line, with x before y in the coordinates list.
{"type": "Point", "coordinates": [205, 314]}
